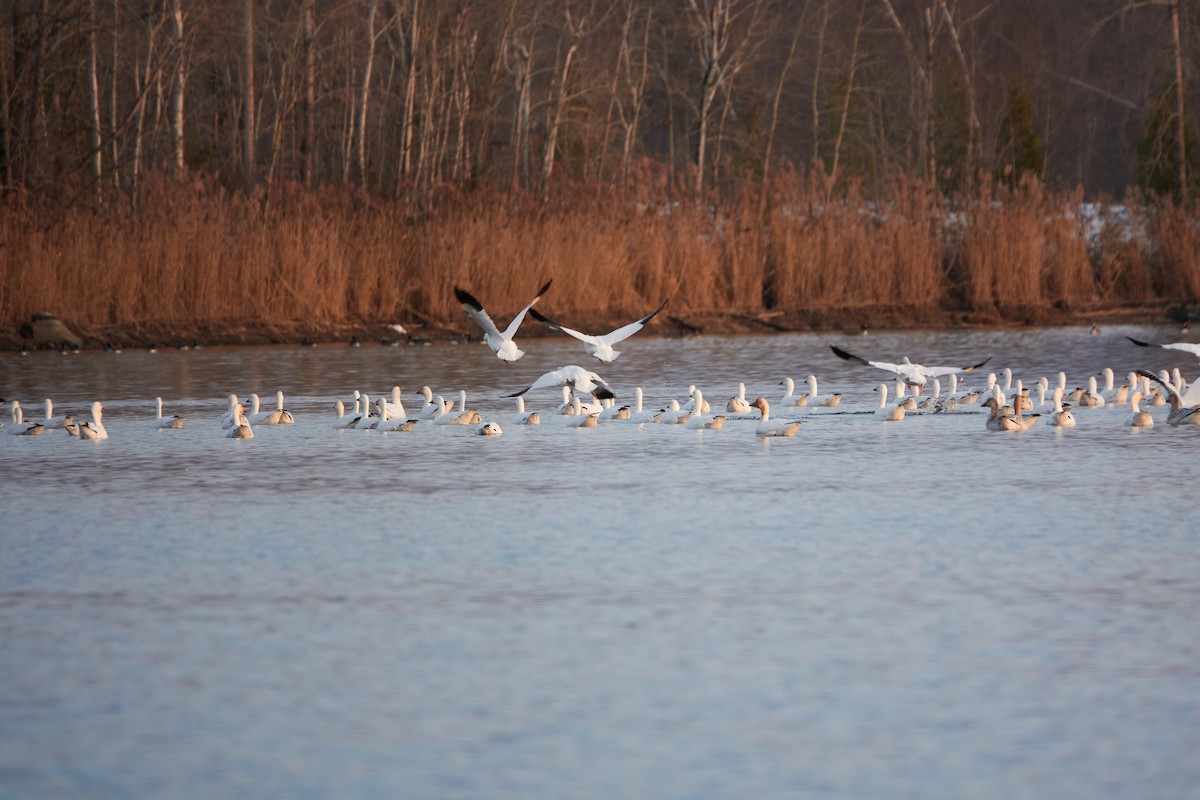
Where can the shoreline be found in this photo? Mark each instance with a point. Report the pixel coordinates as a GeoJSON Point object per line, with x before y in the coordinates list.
{"type": "Point", "coordinates": [233, 333]}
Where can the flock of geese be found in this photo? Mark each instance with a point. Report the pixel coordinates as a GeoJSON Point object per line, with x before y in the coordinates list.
{"type": "Point", "coordinates": [588, 400]}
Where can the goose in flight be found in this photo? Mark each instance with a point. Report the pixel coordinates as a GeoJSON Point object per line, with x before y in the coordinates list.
{"type": "Point", "coordinates": [576, 378]}
{"type": "Point", "coordinates": [913, 375]}
{"type": "Point", "coordinates": [601, 346]}
{"type": "Point", "coordinates": [1192, 395]}
{"type": "Point", "coordinates": [1180, 413]}
{"type": "Point", "coordinates": [502, 343]}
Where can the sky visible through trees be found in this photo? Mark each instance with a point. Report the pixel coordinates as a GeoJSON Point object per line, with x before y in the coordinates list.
{"type": "Point", "coordinates": [402, 96]}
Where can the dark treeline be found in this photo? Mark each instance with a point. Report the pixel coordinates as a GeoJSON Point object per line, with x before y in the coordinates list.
{"type": "Point", "coordinates": [402, 97]}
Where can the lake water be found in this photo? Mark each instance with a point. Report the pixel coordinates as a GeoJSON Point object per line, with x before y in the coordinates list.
{"type": "Point", "coordinates": [868, 610]}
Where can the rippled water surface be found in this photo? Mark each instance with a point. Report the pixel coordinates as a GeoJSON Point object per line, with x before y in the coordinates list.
{"type": "Point", "coordinates": [912, 610]}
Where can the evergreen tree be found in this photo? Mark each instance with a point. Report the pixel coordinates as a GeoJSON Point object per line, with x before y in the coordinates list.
{"type": "Point", "coordinates": [1018, 150]}
{"type": "Point", "coordinates": [1157, 150]}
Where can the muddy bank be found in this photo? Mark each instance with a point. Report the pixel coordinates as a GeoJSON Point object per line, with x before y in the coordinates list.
{"type": "Point", "coordinates": [408, 331]}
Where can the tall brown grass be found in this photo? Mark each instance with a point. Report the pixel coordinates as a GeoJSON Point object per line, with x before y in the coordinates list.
{"type": "Point", "coordinates": [192, 253]}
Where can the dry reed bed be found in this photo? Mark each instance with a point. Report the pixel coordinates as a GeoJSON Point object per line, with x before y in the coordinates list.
{"type": "Point", "coordinates": [197, 254]}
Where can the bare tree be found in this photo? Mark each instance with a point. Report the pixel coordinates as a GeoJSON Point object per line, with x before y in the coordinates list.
{"type": "Point", "coordinates": [574, 29]}
{"type": "Point", "coordinates": [178, 85]}
{"type": "Point", "coordinates": [248, 102]}
{"type": "Point", "coordinates": [96, 155]}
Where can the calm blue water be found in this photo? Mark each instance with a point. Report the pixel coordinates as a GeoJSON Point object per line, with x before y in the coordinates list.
{"type": "Point", "coordinates": [912, 610]}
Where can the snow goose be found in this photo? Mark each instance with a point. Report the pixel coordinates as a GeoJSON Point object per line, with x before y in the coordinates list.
{"type": "Point", "coordinates": [428, 409]}
{"type": "Point", "coordinates": [813, 398]}
{"type": "Point", "coordinates": [256, 415]}
{"type": "Point", "coordinates": [240, 431]}
{"type": "Point", "coordinates": [773, 427]}
{"type": "Point", "coordinates": [345, 420]}
{"type": "Point", "coordinates": [575, 378]}
{"type": "Point", "coordinates": [886, 412]}
{"type": "Point", "coordinates": [395, 407]}
{"type": "Point", "coordinates": [523, 417]}
{"type": "Point", "coordinates": [387, 422]}
{"type": "Point", "coordinates": [1004, 418]}
{"type": "Point", "coordinates": [566, 408]}
{"type": "Point", "coordinates": [94, 428]}
{"type": "Point", "coordinates": [790, 398]}
{"type": "Point", "coordinates": [639, 415]}
{"type": "Point", "coordinates": [230, 417]}
{"type": "Point", "coordinates": [612, 411]}
{"type": "Point", "coordinates": [674, 414]}
{"type": "Point", "coordinates": [52, 422]}
{"type": "Point", "coordinates": [489, 429]}
{"type": "Point", "coordinates": [1180, 414]}
{"type": "Point", "coordinates": [173, 421]}
{"type": "Point", "coordinates": [280, 416]}
{"type": "Point", "coordinates": [1090, 397]}
{"type": "Point", "coordinates": [1137, 417]}
{"type": "Point", "coordinates": [581, 419]}
{"type": "Point", "coordinates": [19, 427]}
{"type": "Point", "coordinates": [1112, 394]}
{"type": "Point", "coordinates": [501, 343]}
{"type": "Point", "coordinates": [907, 403]}
{"type": "Point", "coordinates": [738, 403]}
{"type": "Point", "coordinates": [701, 405]}
{"type": "Point", "coordinates": [366, 421]}
{"type": "Point", "coordinates": [460, 416]}
{"type": "Point", "coordinates": [701, 420]}
{"type": "Point", "coordinates": [601, 347]}
{"type": "Point", "coordinates": [1062, 416]}
{"type": "Point", "coordinates": [913, 375]}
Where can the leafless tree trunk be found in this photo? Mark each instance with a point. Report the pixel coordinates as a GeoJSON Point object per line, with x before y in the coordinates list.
{"type": "Point", "coordinates": [519, 58]}
{"type": "Point", "coordinates": [816, 84]}
{"type": "Point", "coordinates": [94, 100]}
{"type": "Point", "coordinates": [178, 85]}
{"type": "Point", "coordinates": [365, 91]}
{"type": "Point", "coordinates": [841, 133]}
{"type": "Point", "coordinates": [308, 144]}
{"type": "Point", "coordinates": [1180, 119]}
{"type": "Point", "coordinates": [557, 101]}
{"type": "Point", "coordinates": [248, 102]}
{"type": "Point", "coordinates": [922, 80]}
{"type": "Point", "coordinates": [712, 21]}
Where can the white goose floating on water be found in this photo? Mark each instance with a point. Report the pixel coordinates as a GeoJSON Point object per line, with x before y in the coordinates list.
{"type": "Point", "coordinates": [738, 404]}
{"type": "Point", "coordinates": [1138, 418]}
{"type": "Point", "coordinates": [887, 412]}
{"type": "Point", "coordinates": [18, 426]}
{"type": "Point", "coordinates": [914, 375]}
{"type": "Point", "coordinates": [1062, 416]}
{"type": "Point", "coordinates": [501, 342]}
{"type": "Point", "coordinates": [815, 399]}
{"type": "Point", "coordinates": [523, 417]}
{"type": "Point", "coordinates": [601, 346]}
{"type": "Point", "coordinates": [773, 427]}
{"type": "Point", "coordinates": [52, 422]}
{"type": "Point", "coordinates": [173, 422]}
{"type": "Point", "coordinates": [94, 428]}
{"type": "Point", "coordinates": [700, 420]}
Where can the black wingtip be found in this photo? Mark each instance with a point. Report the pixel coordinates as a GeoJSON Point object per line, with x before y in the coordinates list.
{"type": "Point", "coordinates": [542, 318]}
{"type": "Point", "coordinates": [842, 354]}
{"type": "Point", "coordinates": [654, 313]}
{"type": "Point", "coordinates": [601, 393]}
{"type": "Point", "coordinates": [544, 289]}
{"type": "Point", "coordinates": [467, 299]}
{"type": "Point", "coordinates": [977, 366]}
{"type": "Point", "coordinates": [1139, 342]}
